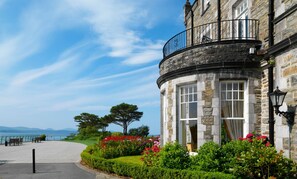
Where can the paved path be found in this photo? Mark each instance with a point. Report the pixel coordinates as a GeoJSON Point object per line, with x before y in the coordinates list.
{"type": "Point", "coordinates": [54, 159]}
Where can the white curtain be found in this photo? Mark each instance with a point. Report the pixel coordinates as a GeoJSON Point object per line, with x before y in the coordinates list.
{"type": "Point", "coordinates": [234, 128]}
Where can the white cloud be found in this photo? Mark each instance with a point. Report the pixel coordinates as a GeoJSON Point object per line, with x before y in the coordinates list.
{"type": "Point", "coordinates": [27, 76]}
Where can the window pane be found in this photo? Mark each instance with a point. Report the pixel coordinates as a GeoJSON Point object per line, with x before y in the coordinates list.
{"type": "Point", "coordinates": [195, 97]}
{"type": "Point", "coordinates": [241, 95]}
{"type": "Point", "coordinates": [233, 128]}
{"type": "Point", "coordinates": [190, 89]}
{"type": "Point", "coordinates": [229, 95]}
{"type": "Point", "coordinates": [241, 86]}
{"type": "Point", "coordinates": [223, 96]}
{"type": "Point", "coordinates": [186, 90]}
{"type": "Point", "coordinates": [190, 98]}
{"type": "Point", "coordinates": [183, 111]}
{"type": "Point", "coordinates": [229, 86]}
{"type": "Point", "coordinates": [235, 86]}
{"type": "Point", "coordinates": [235, 95]}
{"type": "Point", "coordinates": [182, 99]}
{"type": "Point", "coordinates": [195, 89]}
{"type": "Point", "coordinates": [186, 98]}
{"type": "Point", "coordinates": [226, 109]}
{"type": "Point", "coordinates": [223, 86]}
{"type": "Point", "coordinates": [192, 110]}
{"type": "Point", "coordinates": [182, 90]}
{"type": "Point", "coordinates": [238, 109]}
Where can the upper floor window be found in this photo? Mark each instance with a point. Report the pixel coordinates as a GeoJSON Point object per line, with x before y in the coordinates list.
{"type": "Point", "coordinates": [241, 17]}
{"type": "Point", "coordinates": [188, 102]}
{"type": "Point", "coordinates": [205, 5]}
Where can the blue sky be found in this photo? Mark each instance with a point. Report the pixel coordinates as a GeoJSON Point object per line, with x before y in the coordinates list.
{"type": "Point", "coordinates": [59, 58]}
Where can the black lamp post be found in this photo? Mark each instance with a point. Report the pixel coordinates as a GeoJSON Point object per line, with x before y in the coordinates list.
{"type": "Point", "coordinates": [277, 98]}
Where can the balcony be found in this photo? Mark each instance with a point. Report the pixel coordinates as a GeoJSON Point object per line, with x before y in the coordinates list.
{"type": "Point", "coordinates": [203, 50]}
{"type": "Point", "coordinates": [236, 29]}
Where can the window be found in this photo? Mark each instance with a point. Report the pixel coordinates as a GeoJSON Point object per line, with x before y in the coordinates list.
{"type": "Point", "coordinates": [232, 109]}
{"type": "Point", "coordinates": [241, 16]}
{"type": "Point", "coordinates": [188, 116]}
{"type": "Point", "coordinates": [205, 5]}
{"type": "Point", "coordinates": [188, 102]}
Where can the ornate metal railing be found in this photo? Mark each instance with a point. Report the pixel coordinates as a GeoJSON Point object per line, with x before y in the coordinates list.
{"type": "Point", "coordinates": [235, 29]}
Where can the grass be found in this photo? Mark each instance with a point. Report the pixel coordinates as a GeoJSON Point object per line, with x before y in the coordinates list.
{"type": "Point", "coordinates": [88, 142]}
{"type": "Point", "coordinates": [130, 159]}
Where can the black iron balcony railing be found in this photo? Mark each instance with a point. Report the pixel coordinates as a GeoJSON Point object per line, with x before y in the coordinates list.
{"type": "Point", "coordinates": [235, 29]}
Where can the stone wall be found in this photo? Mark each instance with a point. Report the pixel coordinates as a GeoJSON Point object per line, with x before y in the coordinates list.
{"type": "Point", "coordinates": [286, 79]}
{"type": "Point", "coordinates": [235, 51]}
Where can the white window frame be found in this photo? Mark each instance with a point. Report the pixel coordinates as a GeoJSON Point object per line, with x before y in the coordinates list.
{"type": "Point", "coordinates": [187, 101]}
{"type": "Point", "coordinates": [245, 103]}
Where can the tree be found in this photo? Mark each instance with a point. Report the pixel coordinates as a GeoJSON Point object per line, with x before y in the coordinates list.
{"type": "Point", "coordinates": [140, 131]}
{"type": "Point", "coordinates": [89, 123]}
{"type": "Point", "coordinates": [123, 115]}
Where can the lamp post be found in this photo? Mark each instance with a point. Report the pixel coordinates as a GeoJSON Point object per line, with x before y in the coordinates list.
{"type": "Point", "coordinates": [277, 98]}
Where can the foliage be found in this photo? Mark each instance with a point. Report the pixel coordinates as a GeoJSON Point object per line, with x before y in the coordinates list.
{"type": "Point", "coordinates": [117, 134]}
{"type": "Point", "coordinates": [140, 131]}
{"type": "Point", "coordinates": [150, 155]}
{"type": "Point", "coordinates": [116, 146]}
{"type": "Point", "coordinates": [42, 137]}
{"type": "Point", "coordinates": [142, 172]}
{"type": "Point", "coordinates": [123, 115]}
{"type": "Point", "coordinates": [88, 140]}
{"type": "Point", "coordinates": [174, 156]}
{"type": "Point", "coordinates": [229, 153]}
{"type": "Point", "coordinates": [263, 162]}
{"type": "Point", "coordinates": [208, 158]}
{"type": "Point", "coordinates": [89, 124]}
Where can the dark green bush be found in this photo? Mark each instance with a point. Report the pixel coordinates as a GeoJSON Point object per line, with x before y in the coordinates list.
{"type": "Point", "coordinates": [174, 156]}
{"type": "Point", "coordinates": [141, 172]}
{"type": "Point", "coordinates": [42, 137]}
{"type": "Point", "coordinates": [208, 158]}
{"type": "Point", "coordinates": [230, 152]}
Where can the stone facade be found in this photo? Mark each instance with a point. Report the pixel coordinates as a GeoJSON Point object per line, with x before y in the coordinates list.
{"type": "Point", "coordinates": [206, 65]}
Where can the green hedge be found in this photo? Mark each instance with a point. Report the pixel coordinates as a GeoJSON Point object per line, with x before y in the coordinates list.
{"type": "Point", "coordinates": [137, 171]}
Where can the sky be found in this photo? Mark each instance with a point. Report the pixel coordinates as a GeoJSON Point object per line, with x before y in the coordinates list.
{"type": "Point", "coordinates": [60, 58]}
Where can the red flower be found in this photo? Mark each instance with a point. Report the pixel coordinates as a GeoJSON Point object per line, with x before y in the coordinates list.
{"type": "Point", "coordinates": [250, 135]}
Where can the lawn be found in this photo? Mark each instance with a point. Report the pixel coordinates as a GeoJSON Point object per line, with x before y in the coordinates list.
{"type": "Point", "coordinates": [89, 141]}
{"type": "Point", "coordinates": [130, 159]}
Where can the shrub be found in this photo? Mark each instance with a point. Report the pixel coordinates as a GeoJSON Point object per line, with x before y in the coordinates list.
{"type": "Point", "coordinates": [174, 156]}
{"type": "Point", "coordinates": [151, 155]}
{"type": "Point", "coordinates": [116, 146]}
{"type": "Point", "coordinates": [263, 162]}
{"type": "Point", "coordinates": [143, 172]}
{"type": "Point", "coordinates": [142, 131]}
{"type": "Point", "coordinates": [230, 152]}
{"type": "Point", "coordinates": [42, 137]}
{"type": "Point", "coordinates": [117, 134]}
{"type": "Point", "coordinates": [208, 158]}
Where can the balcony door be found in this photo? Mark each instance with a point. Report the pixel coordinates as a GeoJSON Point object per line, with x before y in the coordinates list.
{"type": "Point", "coordinates": [241, 19]}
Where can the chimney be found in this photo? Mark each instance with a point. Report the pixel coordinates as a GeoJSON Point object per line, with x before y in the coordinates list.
{"type": "Point", "coordinates": [187, 9]}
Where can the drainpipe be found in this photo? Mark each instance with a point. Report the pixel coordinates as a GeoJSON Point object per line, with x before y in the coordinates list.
{"type": "Point", "coordinates": [271, 120]}
{"type": "Point", "coordinates": [219, 20]}
{"type": "Point", "coordinates": [192, 27]}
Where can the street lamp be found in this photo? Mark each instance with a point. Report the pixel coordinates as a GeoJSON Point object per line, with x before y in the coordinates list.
{"type": "Point", "coordinates": [277, 98]}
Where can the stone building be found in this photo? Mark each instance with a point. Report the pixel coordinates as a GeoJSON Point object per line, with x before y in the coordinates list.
{"type": "Point", "coordinates": [216, 75]}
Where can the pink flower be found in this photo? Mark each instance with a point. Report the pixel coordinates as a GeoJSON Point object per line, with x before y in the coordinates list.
{"type": "Point", "coordinates": [250, 135]}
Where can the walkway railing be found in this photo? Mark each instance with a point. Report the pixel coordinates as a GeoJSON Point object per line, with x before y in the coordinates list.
{"type": "Point", "coordinates": [28, 138]}
{"type": "Point", "coordinates": [235, 29]}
